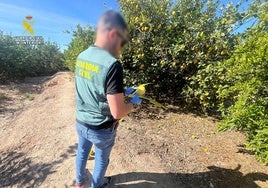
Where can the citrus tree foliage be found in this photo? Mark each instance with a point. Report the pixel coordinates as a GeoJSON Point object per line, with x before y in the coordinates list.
{"type": "Point", "coordinates": [19, 61]}
{"type": "Point", "coordinates": [82, 38]}
{"type": "Point", "coordinates": [245, 101]}
{"type": "Point", "coordinates": [173, 43]}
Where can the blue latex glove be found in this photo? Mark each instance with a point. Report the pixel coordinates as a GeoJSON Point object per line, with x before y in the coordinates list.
{"type": "Point", "coordinates": [129, 90]}
{"type": "Point", "coordinates": [136, 99]}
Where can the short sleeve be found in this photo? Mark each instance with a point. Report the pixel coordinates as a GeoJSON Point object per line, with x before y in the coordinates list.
{"type": "Point", "coordinates": [114, 79]}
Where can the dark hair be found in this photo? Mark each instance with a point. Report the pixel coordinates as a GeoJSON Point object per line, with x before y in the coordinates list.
{"type": "Point", "coordinates": [112, 19]}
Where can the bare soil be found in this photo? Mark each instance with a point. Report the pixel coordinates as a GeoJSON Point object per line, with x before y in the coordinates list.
{"type": "Point", "coordinates": [175, 148]}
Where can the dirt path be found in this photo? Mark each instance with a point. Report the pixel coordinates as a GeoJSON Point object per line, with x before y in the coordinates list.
{"type": "Point", "coordinates": [175, 149]}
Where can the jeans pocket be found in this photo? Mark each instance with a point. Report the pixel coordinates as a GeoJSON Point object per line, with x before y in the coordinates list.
{"type": "Point", "coordinates": [80, 129]}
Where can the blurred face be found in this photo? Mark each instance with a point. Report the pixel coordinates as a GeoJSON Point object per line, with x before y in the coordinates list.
{"type": "Point", "coordinates": [112, 40]}
{"type": "Point", "coordinates": [120, 40]}
{"type": "Point", "coordinates": [123, 37]}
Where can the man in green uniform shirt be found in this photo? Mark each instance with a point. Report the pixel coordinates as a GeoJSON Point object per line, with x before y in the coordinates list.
{"type": "Point", "coordinates": [100, 97]}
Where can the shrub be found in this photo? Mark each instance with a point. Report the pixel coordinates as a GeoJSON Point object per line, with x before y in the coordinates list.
{"type": "Point", "coordinates": [19, 61]}
{"type": "Point", "coordinates": [245, 102]}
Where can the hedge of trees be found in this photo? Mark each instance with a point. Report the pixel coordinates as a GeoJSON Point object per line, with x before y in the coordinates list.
{"type": "Point", "coordinates": [190, 51]}
{"type": "Point", "coordinates": [19, 60]}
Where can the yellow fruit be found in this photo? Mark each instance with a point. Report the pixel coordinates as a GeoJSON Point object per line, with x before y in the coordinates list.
{"type": "Point", "coordinates": [141, 89]}
{"type": "Point", "coordinates": [162, 63]}
{"type": "Point", "coordinates": [194, 137]}
{"type": "Point", "coordinates": [223, 52]}
{"type": "Point", "coordinates": [210, 49]}
{"type": "Point", "coordinates": [91, 154]}
{"type": "Point", "coordinates": [141, 55]}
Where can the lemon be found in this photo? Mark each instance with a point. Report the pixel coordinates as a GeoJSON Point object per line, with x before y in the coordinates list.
{"type": "Point", "coordinates": [141, 89]}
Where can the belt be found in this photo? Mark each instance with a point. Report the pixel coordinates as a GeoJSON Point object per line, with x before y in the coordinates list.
{"type": "Point", "coordinates": [105, 125]}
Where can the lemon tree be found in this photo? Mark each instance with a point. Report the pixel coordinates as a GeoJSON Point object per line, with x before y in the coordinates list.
{"type": "Point", "coordinates": [82, 38]}
{"type": "Point", "coordinates": [171, 44]}
{"type": "Point", "coordinates": [244, 103]}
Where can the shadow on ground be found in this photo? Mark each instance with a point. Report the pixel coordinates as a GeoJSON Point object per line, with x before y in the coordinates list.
{"type": "Point", "coordinates": [216, 177]}
{"type": "Point", "coordinates": [17, 169]}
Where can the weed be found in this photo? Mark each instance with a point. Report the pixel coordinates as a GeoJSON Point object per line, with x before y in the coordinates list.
{"type": "Point", "coordinates": [17, 92]}
{"type": "Point", "coordinates": [3, 97]}
{"type": "Point", "coordinates": [29, 96]}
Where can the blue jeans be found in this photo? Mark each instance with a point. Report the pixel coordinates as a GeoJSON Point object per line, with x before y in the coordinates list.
{"type": "Point", "coordinates": [103, 141]}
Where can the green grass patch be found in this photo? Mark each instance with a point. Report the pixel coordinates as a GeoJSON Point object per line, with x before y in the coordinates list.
{"type": "Point", "coordinates": [29, 96]}
{"type": "Point", "coordinates": [3, 97]}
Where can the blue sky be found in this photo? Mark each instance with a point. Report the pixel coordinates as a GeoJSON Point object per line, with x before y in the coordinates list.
{"type": "Point", "coordinates": [52, 17]}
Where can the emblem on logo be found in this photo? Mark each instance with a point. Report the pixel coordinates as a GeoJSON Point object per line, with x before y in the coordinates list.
{"type": "Point", "coordinates": [27, 25]}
